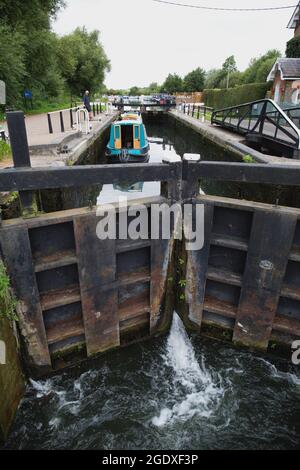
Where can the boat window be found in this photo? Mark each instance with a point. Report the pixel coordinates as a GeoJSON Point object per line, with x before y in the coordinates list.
{"type": "Point", "coordinates": [117, 132]}
{"type": "Point", "coordinates": [136, 132]}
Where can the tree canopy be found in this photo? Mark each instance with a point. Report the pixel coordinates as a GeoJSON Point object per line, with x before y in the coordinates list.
{"type": "Point", "coordinates": [194, 81]}
{"type": "Point", "coordinates": [172, 84]}
{"type": "Point", "coordinates": [82, 61]}
{"type": "Point", "coordinates": [33, 57]}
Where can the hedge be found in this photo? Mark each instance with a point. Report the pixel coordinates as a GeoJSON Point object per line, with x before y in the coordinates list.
{"type": "Point", "coordinates": [223, 98]}
{"type": "Point", "coordinates": [293, 48]}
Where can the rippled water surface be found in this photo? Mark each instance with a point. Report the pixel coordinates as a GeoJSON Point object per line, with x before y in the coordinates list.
{"type": "Point", "coordinates": [168, 393]}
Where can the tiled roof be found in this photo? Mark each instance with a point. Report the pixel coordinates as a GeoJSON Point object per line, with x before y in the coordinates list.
{"type": "Point", "coordinates": [289, 68]}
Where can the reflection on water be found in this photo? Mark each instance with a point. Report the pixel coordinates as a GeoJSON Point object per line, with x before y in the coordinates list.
{"type": "Point", "coordinates": [134, 190]}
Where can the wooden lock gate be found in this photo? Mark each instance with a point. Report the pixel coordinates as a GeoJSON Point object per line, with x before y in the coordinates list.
{"type": "Point", "coordinates": [78, 292]}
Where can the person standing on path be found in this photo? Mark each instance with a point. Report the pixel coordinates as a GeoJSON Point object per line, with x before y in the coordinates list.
{"type": "Point", "coordinates": [87, 104]}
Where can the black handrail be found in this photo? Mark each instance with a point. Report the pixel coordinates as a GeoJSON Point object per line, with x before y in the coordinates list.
{"type": "Point", "coordinates": [262, 117]}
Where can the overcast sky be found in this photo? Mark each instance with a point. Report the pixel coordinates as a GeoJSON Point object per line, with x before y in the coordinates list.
{"type": "Point", "coordinates": [145, 40]}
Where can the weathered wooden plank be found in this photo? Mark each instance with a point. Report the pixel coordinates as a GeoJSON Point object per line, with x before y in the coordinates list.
{"type": "Point", "coordinates": [160, 257]}
{"type": "Point", "coordinates": [269, 247]}
{"type": "Point", "coordinates": [20, 179]}
{"type": "Point", "coordinates": [196, 271]}
{"type": "Point", "coordinates": [97, 268]}
{"type": "Point", "coordinates": [15, 246]}
{"type": "Point", "coordinates": [255, 173]}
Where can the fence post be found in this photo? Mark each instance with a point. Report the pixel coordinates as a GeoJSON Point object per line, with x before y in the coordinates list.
{"type": "Point", "coordinates": [100, 107]}
{"type": "Point", "coordinates": [21, 158]}
{"type": "Point", "coordinates": [71, 118]}
{"type": "Point", "coordinates": [97, 107]}
{"type": "Point", "coordinates": [50, 123]}
{"type": "Point", "coordinates": [198, 112]}
{"type": "Point", "coordinates": [184, 108]}
{"type": "Point", "coordinates": [193, 110]}
{"type": "Point", "coordinates": [94, 110]}
{"type": "Point", "coordinates": [62, 127]}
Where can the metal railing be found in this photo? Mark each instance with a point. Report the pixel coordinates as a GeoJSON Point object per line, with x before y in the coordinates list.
{"type": "Point", "coordinates": [68, 118]}
{"type": "Point", "coordinates": [197, 110]}
{"type": "Point", "coordinates": [263, 118]}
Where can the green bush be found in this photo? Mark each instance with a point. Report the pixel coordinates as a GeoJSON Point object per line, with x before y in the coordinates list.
{"type": "Point", "coordinates": [293, 48]}
{"type": "Point", "coordinates": [8, 302]}
{"type": "Point", "coordinates": [223, 98]}
{"type": "Point", "coordinates": [5, 150]}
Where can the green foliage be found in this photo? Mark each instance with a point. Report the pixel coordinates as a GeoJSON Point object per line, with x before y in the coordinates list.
{"type": "Point", "coordinates": [82, 60]}
{"type": "Point", "coordinates": [194, 81]}
{"type": "Point", "coordinates": [12, 62]}
{"type": "Point", "coordinates": [8, 302]}
{"type": "Point", "coordinates": [33, 57]}
{"type": "Point", "coordinates": [218, 99]}
{"type": "Point", "coordinates": [135, 91]}
{"type": "Point", "coordinates": [5, 150]}
{"type": "Point", "coordinates": [214, 78]}
{"type": "Point", "coordinates": [230, 65]}
{"type": "Point", "coordinates": [172, 84]}
{"type": "Point", "coordinates": [293, 48]}
{"type": "Point", "coordinates": [260, 67]}
{"type": "Point", "coordinates": [257, 72]}
{"type": "Point", "coordinates": [248, 159]}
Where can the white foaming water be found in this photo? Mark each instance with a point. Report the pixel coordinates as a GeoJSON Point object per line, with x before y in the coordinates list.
{"type": "Point", "coordinates": [193, 390]}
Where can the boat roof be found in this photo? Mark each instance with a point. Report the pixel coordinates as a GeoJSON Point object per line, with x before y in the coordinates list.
{"type": "Point", "coordinates": [128, 122]}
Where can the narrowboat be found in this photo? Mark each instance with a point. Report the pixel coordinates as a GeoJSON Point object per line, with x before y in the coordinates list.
{"type": "Point", "coordinates": [128, 140]}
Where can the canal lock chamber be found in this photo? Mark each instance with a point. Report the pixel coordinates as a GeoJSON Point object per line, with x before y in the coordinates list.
{"type": "Point", "coordinates": [176, 140]}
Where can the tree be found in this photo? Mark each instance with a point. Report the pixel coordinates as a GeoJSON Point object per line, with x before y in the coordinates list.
{"type": "Point", "coordinates": [134, 91]}
{"type": "Point", "coordinates": [293, 48]}
{"type": "Point", "coordinates": [29, 15]}
{"type": "Point", "coordinates": [86, 61]}
{"type": "Point", "coordinates": [229, 67]}
{"type": "Point", "coordinates": [172, 84]}
{"type": "Point", "coordinates": [12, 63]}
{"type": "Point", "coordinates": [34, 63]}
{"type": "Point", "coordinates": [257, 70]}
{"type": "Point", "coordinates": [152, 88]}
{"type": "Point", "coordinates": [194, 81]}
{"type": "Point", "coordinates": [213, 79]}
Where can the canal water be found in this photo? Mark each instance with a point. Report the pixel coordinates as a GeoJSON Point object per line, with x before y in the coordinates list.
{"type": "Point", "coordinates": [168, 137]}
{"type": "Point", "coordinates": [173, 392]}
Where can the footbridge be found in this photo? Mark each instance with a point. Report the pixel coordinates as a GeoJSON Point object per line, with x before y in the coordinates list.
{"type": "Point", "coordinates": [264, 124]}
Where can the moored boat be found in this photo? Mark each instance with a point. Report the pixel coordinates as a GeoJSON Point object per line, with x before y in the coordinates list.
{"type": "Point", "coordinates": [128, 140]}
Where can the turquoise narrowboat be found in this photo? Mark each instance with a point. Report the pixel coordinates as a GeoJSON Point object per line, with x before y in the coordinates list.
{"type": "Point", "coordinates": [128, 140]}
